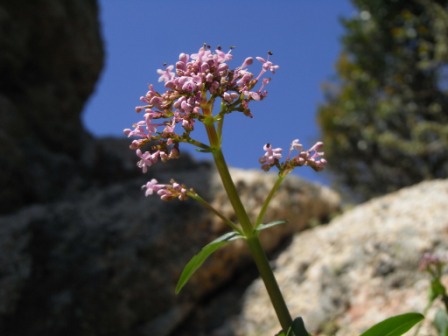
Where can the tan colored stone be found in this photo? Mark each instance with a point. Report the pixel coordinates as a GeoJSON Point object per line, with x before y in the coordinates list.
{"type": "Point", "coordinates": [359, 269]}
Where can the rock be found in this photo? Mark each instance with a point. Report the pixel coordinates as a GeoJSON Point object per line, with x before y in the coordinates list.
{"type": "Point", "coordinates": [106, 261]}
{"type": "Point", "coordinates": [364, 270]}
{"type": "Point", "coordinates": [51, 57]}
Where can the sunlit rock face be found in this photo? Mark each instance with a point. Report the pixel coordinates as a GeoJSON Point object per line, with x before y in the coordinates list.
{"type": "Point", "coordinates": [359, 269]}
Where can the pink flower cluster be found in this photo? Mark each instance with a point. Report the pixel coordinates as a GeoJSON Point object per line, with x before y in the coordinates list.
{"type": "Point", "coordinates": [312, 157]}
{"type": "Point", "coordinates": [192, 86]}
{"type": "Point", "coordinates": [166, 192]}
{"type": "Point", "coordinates": [432, 263]}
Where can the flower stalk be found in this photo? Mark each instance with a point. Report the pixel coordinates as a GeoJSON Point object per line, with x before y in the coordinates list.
{"type": "Point", "coordinates": [192, 87]}
{"type": "Point", "coordinates": [253, 241]}
{"type": "Point", "coordinates": [267, 275]}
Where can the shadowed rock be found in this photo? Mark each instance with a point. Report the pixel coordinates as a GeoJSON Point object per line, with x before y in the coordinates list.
{"type": "Point", "coordinates": [107, 262]}
{"type": "Point", "coordinates": [51, 57]}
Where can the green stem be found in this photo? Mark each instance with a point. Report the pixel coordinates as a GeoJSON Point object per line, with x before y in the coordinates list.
{"type": "Point", "coordinates": [232, 193]}
{"type": "Point", "coordinates": [268, 200]}
{"type": "Point", "coordinates": [445, 301]}
{"type": "Point", "coordinates": [278, 302]}
{"type": "Point", "coordinates": [197, 144]}
{"type": "Point", "coordinates": [425, 312]}
{"type": "Point", "coordinates": [252, 239]}
{"type": "Point", "coordinates": [207, 205]}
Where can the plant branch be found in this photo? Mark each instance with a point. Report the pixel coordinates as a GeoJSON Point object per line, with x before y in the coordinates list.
{"type": "Point", "coordinates": [250, 233]}
{"type": "Point", "coordinates": [268, 199]}
{"type": "Point", "coordinates": [207, 205]}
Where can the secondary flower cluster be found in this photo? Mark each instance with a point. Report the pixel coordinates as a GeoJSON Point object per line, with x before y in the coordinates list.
{"type": "Point", "coordinates": [312, 157]}
{"type": "Point", "coordinates": [192, 86]}
{"type": "Point", "coordinates": [166, 192]}
{"type": "Point", "coordinates": [432, 264]}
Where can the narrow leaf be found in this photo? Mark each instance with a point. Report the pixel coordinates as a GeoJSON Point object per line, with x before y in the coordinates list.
{"type": "Point", "coordinates": [394, 326]}
{"type": "Point", "coordinates": [298, 328]}
{"type": "Point", "coordinates": [203, 150]}
{"type": "Point", "coordinates": [199, 258]}
{"type": "Point", "coordinates": [437, 289]}
{"type": "Point", "coordinates": [269, 225]}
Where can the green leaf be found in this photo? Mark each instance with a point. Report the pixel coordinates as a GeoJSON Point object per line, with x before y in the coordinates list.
{"type": "Point", "coordinates": [203, 150]}
{"type": "Point", "coordinates": [394, 326]}
{"type": "Point", "coordinates": [441, 322]}
{"type": "Point", "coordinates": [199, 258]}
{"type": "Point", "coordinates": [269, 225]}
{"type": "Point", "coordinates": [437, 289]}
{"type": "Point", "coordinates": [298, 328]}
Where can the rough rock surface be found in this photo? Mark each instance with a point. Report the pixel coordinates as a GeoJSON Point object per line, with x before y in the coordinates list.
{"type": "Point", "coordinates": [357, 270]}
{"type": "Point", "coordinates": [106, 261]}
{"type": "Point", "coordinates": [51, 56]}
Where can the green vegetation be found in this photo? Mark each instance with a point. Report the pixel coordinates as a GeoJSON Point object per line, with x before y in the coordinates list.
{"type": "Point", "coordinates": [385, 119]}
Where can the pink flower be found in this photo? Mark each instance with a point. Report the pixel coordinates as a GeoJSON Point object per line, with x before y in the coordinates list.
{"type": "Point", "coordinates": [296, 145]}
{"type": "Point", "coordinates": [138, 131]}
{"type": "Point", "coordinates": [147, 159]}
{"type": "Point", "coordinates": [135, 144]}
{"type": "Point", "coordinates": [174, 153]}
{"type": "Point", "coordinates": [167, 74]}
{"type": "Point", "coordinates": [312, 157]}
{"type": "Point", "coordinates": [264, 83]}
{"type": "Point", "coordinates": [252, 95]}
{"type": "Point", "coordinates": [223, 57]}
{"type": "Point", "coordinates": [192, 86]}
{"type": "Point", "coordinates": [248, 61]}
{"type": "Point", "coordinates": [169, 128]}
{"type": "Point", "coordinates": [268, 65]}
{"type": "Point", "coordinates": [152, 187]}
{"type": "Point", "coordinates": [316, 161]}
{"type": "Point", "coordinates": [271, 156]}
{"type": "Point", "coordinates": [166, 192]}
{"type": "Point", "coordinates": [244, 78]}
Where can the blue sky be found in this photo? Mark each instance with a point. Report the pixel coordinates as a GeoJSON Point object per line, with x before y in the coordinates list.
{"type": "Point", "coordinates": [304, 36]}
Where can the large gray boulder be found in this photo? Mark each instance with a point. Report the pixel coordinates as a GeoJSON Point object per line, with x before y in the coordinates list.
{"type": "Point", "coordinates": [359, 269]}
{"type": "Point", "coordinates": [51, 57]}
